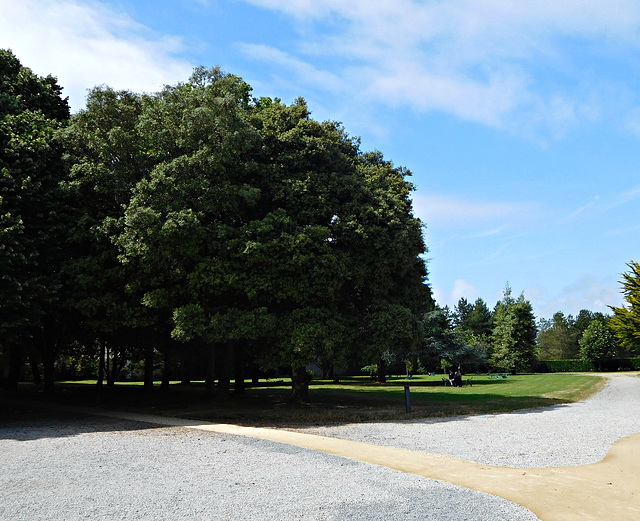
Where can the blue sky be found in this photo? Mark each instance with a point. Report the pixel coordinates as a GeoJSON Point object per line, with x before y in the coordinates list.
{"type": "Point", "coordinates": [520, 121]}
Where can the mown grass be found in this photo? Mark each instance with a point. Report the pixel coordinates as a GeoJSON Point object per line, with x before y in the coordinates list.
{"type": "Point", "coordinates": [352, 400]}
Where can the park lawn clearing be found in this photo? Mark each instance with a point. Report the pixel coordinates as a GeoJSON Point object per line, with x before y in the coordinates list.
{"type": "Point", "coordinates": [353, 399]}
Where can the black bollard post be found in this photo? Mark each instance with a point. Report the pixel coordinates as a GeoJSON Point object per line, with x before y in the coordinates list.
{"type": "Point", "coordinates": [407, 397]}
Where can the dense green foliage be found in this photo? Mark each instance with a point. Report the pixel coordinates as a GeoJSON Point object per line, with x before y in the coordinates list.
{"type": "Point", "coordinates": [560, 336]}
{"type": "Point", "coordinates": [514, 334]}
{"type": "Point", "coordinates": [626, 319]}
{"type": "Point", "coordinates": [205, 233]}
{"type": "Point", "coordinates": [598, 344]}
{"type": "Point", "coordinates": [32, 214]}
{"type": "Point", "coordinates": [449, 344]}
{"type": "Point", "coordinates": [225, 233]}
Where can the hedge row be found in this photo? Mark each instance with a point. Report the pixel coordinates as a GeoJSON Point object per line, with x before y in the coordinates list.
{"type": "Point", "coordinates": [576, 364]}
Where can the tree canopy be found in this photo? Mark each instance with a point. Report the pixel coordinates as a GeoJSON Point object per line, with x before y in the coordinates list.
{"type": "Point", "coordinates": [32, 212]}
{"type": "Point", "coordinates": [206, 224]}
{"type": "Point", "coordinates": [514, 334]}
{"type": "Point", "coordinates": [218, 233]}
{"type": "Point", "coordinates": [598, 344]}
{"type": "Point", "coordinates": [626, 319]}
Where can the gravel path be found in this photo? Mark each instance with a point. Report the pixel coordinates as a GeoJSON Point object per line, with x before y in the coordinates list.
{"type": "Point", "coordinates": [571, 434]}
{"type": "Point", "coordinates": [70, 467]}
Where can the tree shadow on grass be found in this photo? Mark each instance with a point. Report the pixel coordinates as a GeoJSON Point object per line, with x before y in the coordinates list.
{"type": "Point", "coordinates": [36, 416]}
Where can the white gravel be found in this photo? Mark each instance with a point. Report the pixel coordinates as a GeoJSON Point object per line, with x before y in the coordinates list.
{"type": "Point", "coordinates": [71, 467]}
{"type": "Point", "coordinates": [571, 434]}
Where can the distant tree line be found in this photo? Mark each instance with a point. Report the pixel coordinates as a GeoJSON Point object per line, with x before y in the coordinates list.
{"type": "Point", "coordinates": [472, 336]}
{"type": "Point", "coordinates": [508, 337]}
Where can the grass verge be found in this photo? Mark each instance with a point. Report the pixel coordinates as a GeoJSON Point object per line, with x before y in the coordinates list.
{"type": "Point", "coordinates": [351, 400]}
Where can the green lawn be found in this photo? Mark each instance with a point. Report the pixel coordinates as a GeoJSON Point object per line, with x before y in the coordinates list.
{"type": "Point", "coordinates": [353, 399]}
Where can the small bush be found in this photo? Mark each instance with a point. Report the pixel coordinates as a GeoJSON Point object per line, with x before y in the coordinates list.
{"type": "Point", "coordinates": [371, 370]}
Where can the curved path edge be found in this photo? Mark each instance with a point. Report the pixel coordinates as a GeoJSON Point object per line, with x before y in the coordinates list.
{"type": "Point", "coordinates": [608, 489]}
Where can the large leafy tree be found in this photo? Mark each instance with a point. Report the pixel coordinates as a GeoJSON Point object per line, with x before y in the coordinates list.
{"type": "Point", "coordinates": [598, 343]}
{"type": "Point", "coordinates": [183, 227]}
{"type": "Point", "coordinates": [258, 224]}
{"type": "Point", "coordinates": [335, 251]}
{"type": "Point", "coordinates": [299, 252]}
{"type": "Point", "coordinates": [514, 334]}
{"type": "Point", "coordinates": [390, 288]}
{"type": "Point", "coordinates": [32, 231]}
{"type": "Point", "coordinates": [213, 218]}
{"type": "Point", "coordinates": [626, 319]}
{"type": "Point", "coordinates": [106, 157]}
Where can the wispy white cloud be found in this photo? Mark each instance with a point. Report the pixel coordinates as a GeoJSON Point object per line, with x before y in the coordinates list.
{"type": "Point", "coordinates": [632, 121]}
{"type": "Point", "coordinates": [308, 74]}
{"type": "Point", "coordinates": [451, 296]}
{"type": "Point", "coordinates": [88, 43]}
{"type": "Point", "coordinates": [591, 293]}
{"type": "Point", "coordinates": [598, 205]}
{"type": "Point", "coordinates": [582, 209]}
{"type": "Point", "coordinates": [447, 210]}
{"type": "Point", "coordinates": [468, 58]}
{"type": "Point", "coordinates": [488, 233]}
{"type": "Point", "coordinates": [624, 198]}
{"type": "Point", "coordinates": [624, 231]}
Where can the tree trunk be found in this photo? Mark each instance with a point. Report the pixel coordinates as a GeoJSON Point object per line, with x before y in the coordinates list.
{"type": "Point", "coordinates": [185, 371]}
{"type": "Point", "coordinates": [238, 358]}
{"type": "Point", "coordinates": [148, 368]}
{"type": "Point", "coordinates": [225, 369]}
{"type": "Point", "coordinates": [210, 371]}
{"type": "Point", "coordinates": [107, 363]}
{"type": "Point", "coordinates": [300, 384]}
{"type": "Point", "coordinates": [48, 368]}
{"type": "Point", "coordinates": [166, 374]}
{"type": "Point", "coordinates": [35, 368]}
{"type": "Point", "coordinates": [100, 372]}
{"type": "Point", "coordinates": [382, 369]}
{"type": "Point", "coordinates": [255, 374]}
{"type": "Point", "coordinates": [16, 355]}
{"type": "Point", "coordinates": [111, 365]}
{"type": "Point", "coordinates": [118, 362]}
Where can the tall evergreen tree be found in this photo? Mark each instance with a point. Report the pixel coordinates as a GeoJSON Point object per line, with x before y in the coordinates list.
{"type": "Point", "coordinates": [626, 319]}
{"type": "Point", "coordinates": [479, 319]}
{"type": "Point", "coordinates": [558, 338]}
{"type": "Point", "coordinates": [473, 324]}
{"type": "Point", "coordinates": [514, 334]}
